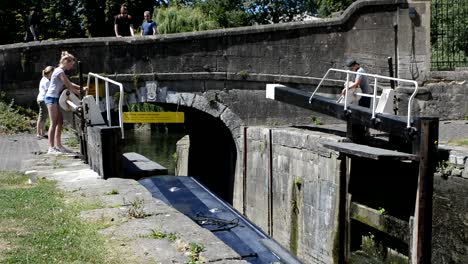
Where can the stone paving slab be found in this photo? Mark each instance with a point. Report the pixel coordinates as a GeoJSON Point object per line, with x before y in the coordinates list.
{"type": "Point", "coordinates": [16, 148]}
{"type": "Point", "coordinates": [157, 251]}
{"type": "Point", "coordinates": [180, 225]}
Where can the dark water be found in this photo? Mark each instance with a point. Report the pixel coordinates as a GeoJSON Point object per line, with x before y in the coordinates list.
{"type": "Point", "coordinates": [156, 146]}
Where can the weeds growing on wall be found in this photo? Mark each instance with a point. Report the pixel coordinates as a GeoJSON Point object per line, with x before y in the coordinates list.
{"type": "Point", "coordinates": [144, 107]}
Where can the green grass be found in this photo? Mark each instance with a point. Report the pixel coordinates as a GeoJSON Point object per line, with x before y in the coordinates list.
{"type": "Point", "coordinates": [38, 227]}
{"type": "Point", "coordinates": [112, 192]}
{"type": "Point", "coordinates": [458, 142]}
{"type": "Point", "coordinates": [72, 142]}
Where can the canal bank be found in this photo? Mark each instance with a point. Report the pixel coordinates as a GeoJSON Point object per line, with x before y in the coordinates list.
{"type": "Point", "coordinates": [145, 227]}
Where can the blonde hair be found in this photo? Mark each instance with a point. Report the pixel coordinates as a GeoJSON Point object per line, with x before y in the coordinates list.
{"type": "Point", "coordinates": [66, 57]}
{"type": "Point", "coordinates": [47, 70]}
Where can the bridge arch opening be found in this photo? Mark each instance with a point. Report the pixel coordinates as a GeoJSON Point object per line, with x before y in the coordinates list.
{"type": "Point", "coordinates": [212, 153]}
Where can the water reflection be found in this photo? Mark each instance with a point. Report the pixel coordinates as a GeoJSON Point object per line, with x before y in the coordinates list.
{"type": "Point", "coordinates": [156, 146]}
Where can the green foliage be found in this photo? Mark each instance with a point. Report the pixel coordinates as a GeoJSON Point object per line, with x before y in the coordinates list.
{"type": "Point", "coordinates": [95, 18]}
{"type": "Point", "coordinates": [161, 235]}
{"type": "Point", "coordinates": [370, 247]}
{"type": "Point", "coordinates": [14, 119]}
{"type": "Point", "coordinates": [175, 19]}
{"type": "Point", "coordinates": [382, 211]}
{"type": "Point", "coordinates": [13, 15]}
{"type": "Point", "coordinates": [112, 192]}
{"type": "Point", "coordinates": [72, 142]}
{"type": "Point", "coordinates": [298, 182]}
{"type": "Point", "coordinates": [144, 107]}
{"type": "Point", "coordinates": [458, 142]}
{"type": "Point", "coordinates": [449, 34]}
{"type": "Point", "coordinates": [194, 253]}
{"type": "Point", "coordinates": [244, 74]}
{"type": "Point", "coordinates": [444, 168]}
{"type": "Point", "coordinates": [273, 11]}
{"type": "Point", "coordinates": [226, 13]}
{"type": "Point", "coordinates": [315, 120]}
{"type": "Point", "coordinates": [136, 209]}
{"type": "Point", "coordinates": [328, 7]}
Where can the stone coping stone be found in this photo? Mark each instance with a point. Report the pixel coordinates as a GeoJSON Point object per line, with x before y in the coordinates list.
{"type": "Point", "coordinates": [137, 165]}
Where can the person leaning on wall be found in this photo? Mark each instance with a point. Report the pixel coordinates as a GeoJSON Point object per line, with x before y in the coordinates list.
{"type": "Point", "coordinates": [123, 24]}
{"type": "Point", "coordinates": [31, 26]}
{"type": "Point", "coordinates": [148, 28]}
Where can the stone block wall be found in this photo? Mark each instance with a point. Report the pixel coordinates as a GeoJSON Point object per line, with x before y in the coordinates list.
{"type": "Point", "coordinates": [365, 31]}
{"type": "Point", "coordinates": [182, 151]}
{"type": "Point", "coordinates": [444, 95]}
{"type": "Point", "coordinates": [292, 190]}
{"type": "Point", "coordinates": [450, 218]}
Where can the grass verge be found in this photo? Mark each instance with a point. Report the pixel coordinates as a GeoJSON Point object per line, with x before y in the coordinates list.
{"type": "Point", "coordinates": [458, 142]}
{"type": "Point", "coordinates": [36, 226]}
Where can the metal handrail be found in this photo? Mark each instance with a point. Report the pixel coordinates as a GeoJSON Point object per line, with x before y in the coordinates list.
{"type": "Point", "coordinates": [374, 95]}
{"type": "Point", "coordinates": [107, 81]}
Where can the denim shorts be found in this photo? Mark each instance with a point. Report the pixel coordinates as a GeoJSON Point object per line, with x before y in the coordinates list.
{"type": "Point", "coordinates": [50, 100]}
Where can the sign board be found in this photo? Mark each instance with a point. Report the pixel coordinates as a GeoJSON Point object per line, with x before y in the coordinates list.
{"type": "Point", "coordinates": [153, 117]}
{"type": "Point", "coordinates": [92, 89]}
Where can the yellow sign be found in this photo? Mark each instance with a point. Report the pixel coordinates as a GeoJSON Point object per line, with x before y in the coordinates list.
{"type": "Point", "coordinates": [92, 89]}
{"type": "Point", "coordinates": [153, 117]}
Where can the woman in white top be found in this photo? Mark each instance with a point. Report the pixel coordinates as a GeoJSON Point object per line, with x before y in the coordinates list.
{"type": "Point", "coordinates": [43, 86]}
{"type": "Point", "coordinates": [57, 81]}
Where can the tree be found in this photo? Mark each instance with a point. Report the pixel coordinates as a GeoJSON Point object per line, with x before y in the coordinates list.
{"type": "Point", "coordinates": [226, 13]}
{"type": "Point", "coordinates": [174, 19]}
{"type": "Point", "coordinates": [276, 11]}
{"type": "Point", "coordinates": [327, 7]}
{"type": "Point", "coordinates": [449, 34]}
{"type": "Point", "coordinates": [13, 18]}
{"type": "Point", "coordinates": [60, 19]}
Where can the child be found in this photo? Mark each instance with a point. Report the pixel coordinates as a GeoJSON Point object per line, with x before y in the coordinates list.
{"type": "Point", "coordinates": [43, 113]}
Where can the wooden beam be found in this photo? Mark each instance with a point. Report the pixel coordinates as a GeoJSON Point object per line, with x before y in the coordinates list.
{"type": "Point", "coordinates": [386, 223]}
{"type": "Point", "coordinates": [364, 151]}
{"type": "Point", "coordinates": [395, 125]}
{"type": "Point", "coordinates": [422, 230]}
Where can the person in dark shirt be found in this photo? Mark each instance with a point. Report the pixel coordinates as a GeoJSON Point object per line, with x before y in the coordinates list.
{"type": "Point", "coordinates": [148, 28]}
{"type": "Point", "coordinates": [31, 26]}
{"type": "Point", "coordinates": [123, 25]}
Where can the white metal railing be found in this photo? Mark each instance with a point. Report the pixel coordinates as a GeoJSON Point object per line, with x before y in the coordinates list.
{"type": "Point", "coordinates": [98, 77]}
{"type": "Point", "coordinates": [374, 94]}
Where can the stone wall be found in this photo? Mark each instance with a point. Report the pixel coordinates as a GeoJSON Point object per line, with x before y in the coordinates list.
{"type": "Point", "coordinates": [182, 151]}
{"type": "Point", "coordinates": [444, 95]}
{"type": "Point", "coordinates": [369, 30]}
{"type": "Point", "coordinates": [450, 226]}
{"type": "Point", "coordinates": [291, 190]}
